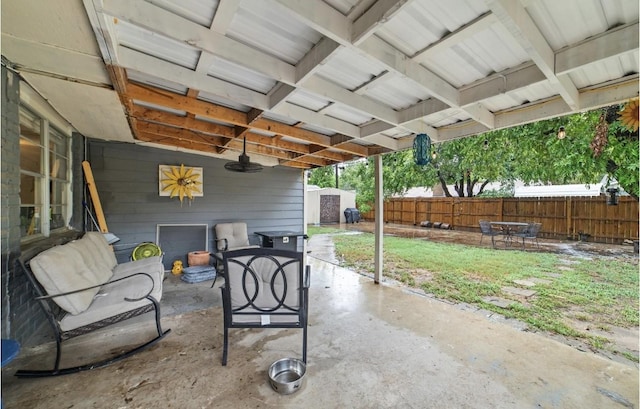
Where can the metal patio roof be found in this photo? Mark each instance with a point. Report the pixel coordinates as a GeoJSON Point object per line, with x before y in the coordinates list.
{"type": "Point", "coordinates": [315, 82]}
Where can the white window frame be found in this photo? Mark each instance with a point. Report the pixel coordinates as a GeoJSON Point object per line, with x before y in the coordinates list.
{"type": "Point", "coordinates": [37, 105]}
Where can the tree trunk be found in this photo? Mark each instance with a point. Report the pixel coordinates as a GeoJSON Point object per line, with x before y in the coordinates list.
{"type": "Point", "coordinates": [459, 186]}
{"type": "Point", "coordinates": [470, 184]}
{"type": "Point", "coordinates": [443, 184]}
{"type": "Point", "coordinates": [482, 186]}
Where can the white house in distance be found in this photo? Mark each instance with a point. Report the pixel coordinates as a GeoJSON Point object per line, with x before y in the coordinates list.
{"type": "Point", "coordinates": [595, 189]}
{"type": "Point", "coordinates": [326, 205]}
{"type": "Point", "coordinates": [520, 190]}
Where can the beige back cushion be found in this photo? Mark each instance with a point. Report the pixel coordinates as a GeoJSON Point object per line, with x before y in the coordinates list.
{"type": "Point", "coordinates": [91, 256]}
{"type": "Point", "coordinates": [62, 269]}
{"type": "Point", "coordinates": [235, 233]}
{"type": "Point", "coordinates": [104, 252]}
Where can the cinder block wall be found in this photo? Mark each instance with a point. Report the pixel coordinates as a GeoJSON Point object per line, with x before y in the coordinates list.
{"type": "Point", "coordinates": [21, 317]}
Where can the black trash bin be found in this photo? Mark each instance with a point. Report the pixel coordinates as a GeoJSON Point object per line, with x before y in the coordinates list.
{"type": "Point", "coordinates": [352, 215]}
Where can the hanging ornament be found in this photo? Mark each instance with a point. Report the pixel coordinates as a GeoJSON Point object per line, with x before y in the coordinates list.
{"type": "Point", "coordinates": [422, 149]}
{"type": "Point", "coordinates": [600, 138]}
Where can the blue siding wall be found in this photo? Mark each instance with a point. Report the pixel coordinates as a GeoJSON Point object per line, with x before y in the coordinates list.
{"type": "Point", "coordinates": [126, 177]}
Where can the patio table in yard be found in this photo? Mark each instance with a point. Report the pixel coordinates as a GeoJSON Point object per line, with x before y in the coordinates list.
{"type": "Point", "coordinates": [508, 229]}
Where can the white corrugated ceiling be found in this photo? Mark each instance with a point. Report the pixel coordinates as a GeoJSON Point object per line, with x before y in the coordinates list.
{"type": "Point", "coordinates": [312, 83]}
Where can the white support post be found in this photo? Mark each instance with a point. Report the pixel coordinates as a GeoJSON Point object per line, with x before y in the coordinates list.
{"type": "Point", "coordinates": [379, 214]}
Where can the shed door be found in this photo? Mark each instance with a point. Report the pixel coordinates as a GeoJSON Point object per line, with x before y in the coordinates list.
{"type": "Point", "coordinates": [329, 209]}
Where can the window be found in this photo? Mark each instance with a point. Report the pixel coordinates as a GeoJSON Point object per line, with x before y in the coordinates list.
{"type": "Point", "coordinates": [44, 176]}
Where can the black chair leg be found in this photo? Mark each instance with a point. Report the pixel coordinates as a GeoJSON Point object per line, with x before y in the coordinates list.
{"type": "Point", "coordinates": [304, 344]}
{"type": "Point", "coordinates": [225, 346]}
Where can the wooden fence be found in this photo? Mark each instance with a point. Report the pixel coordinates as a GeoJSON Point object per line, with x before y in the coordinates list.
{"type": "Point", "coordinates": [561, 217]}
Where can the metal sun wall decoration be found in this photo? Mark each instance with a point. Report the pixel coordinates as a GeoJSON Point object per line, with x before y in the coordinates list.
{"type": "Point", "coordinates": [629, 115]}
{"type": "Point", "coordinates": [180, 181]}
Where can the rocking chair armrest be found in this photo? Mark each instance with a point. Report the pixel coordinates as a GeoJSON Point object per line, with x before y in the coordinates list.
{"type": "Point", "coordinates": [48, 296]}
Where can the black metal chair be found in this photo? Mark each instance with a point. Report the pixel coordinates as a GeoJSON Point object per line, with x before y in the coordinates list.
{"type": "Point", "coordinates": [487, 230]}
{"type": "Point", "coordinates": [530, 232]}
{"type": "Point", "coordinates": [265, 288]}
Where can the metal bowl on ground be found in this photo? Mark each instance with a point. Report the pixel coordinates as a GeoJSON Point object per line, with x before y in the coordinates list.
{"type": "Point", "coordinates": [286, 375]}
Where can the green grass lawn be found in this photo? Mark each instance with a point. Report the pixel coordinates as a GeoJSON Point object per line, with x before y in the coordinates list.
{"type": "Point", "coordinates": [600, 292]}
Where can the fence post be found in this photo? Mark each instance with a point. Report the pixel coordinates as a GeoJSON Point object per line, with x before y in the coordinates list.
{"type": "Point", "coordinates": [453, 207]}
{"type": "Point", "coordinates": [568, 208]}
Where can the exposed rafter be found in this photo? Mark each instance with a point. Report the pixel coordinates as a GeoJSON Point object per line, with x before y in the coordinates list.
{"type": "Point", "coordinates": [292, 101]}
{"type": "Point", "coordinates": [513, 16]}
{"type": "Point", "coordinates": [242, 123]}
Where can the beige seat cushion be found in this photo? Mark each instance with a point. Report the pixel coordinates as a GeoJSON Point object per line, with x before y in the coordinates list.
{"type": "Point", "coordinates": [110, 301]}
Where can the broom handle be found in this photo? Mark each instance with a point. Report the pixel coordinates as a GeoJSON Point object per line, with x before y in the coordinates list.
{"type": "Point", "coordinates": [95, 199]}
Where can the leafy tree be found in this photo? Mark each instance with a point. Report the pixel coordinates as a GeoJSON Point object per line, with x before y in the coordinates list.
{"type": "Point", "coordinates": [323, 177]}
{"type": "Point", "coordinates": [398, 172]}
{"type": "Point", "coordinates": [476, 161]}
{"type": "Point", "coordinates": [596, 144]}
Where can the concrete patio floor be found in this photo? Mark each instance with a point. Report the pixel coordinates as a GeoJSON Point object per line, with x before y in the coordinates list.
{"type": "Point", "coordinates": [370, 346]}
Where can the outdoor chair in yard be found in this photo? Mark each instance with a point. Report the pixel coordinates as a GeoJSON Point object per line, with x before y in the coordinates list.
{"type": "Point", "coordinates": [487, 230]}
{"type": "Point", "coordinates": [265, 288]}
{"type": "Point", "coordinates": [530, 232]}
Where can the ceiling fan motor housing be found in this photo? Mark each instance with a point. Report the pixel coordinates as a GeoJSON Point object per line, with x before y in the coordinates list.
{"type": "Point", "coordinates": [244, 162]}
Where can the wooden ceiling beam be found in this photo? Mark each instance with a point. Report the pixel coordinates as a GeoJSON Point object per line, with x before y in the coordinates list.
{"type": "Point", "coordinates": [193, 140]}
{"type": "Point", "coordinates": [306, 162]}
{"type": "Point", "coordinates": [180, 143]}
{"type": "Point", "coordinates": [194, 124]}
{"type": "Point", "coordinates": [272, 142]}
{"type": "Point", "coordinates": [181, 134]}
{"type": "Point", "coordinates": [201, 108]}
{"type": "Point", "coordinates": [321, 151]}
{"type": "Point", "coordinates": [155, 121]}
{"type": "Point", "coordinates": [294, 164]}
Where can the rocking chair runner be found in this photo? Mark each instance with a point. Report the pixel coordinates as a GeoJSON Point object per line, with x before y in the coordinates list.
{"type": "Point", "coordinates": [265, 288]}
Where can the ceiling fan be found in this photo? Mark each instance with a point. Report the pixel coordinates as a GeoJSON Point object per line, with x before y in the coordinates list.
{"type": "Point", "coordinates": [243, 164]}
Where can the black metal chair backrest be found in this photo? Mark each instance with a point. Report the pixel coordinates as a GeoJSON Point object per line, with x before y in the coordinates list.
{"type": "Point", "coordinates": [264, 288]}
{"type": "Point", "coordinates": [485, 227]}
{"type": "Point", "coordinates": [533, 230]}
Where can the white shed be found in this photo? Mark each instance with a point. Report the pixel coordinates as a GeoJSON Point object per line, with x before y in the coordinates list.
{"type": "Point", "coordinates": [326, 205]}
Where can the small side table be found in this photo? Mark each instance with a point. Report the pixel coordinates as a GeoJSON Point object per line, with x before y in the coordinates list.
{"type": "Point", "coordinates": [283, 240]}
